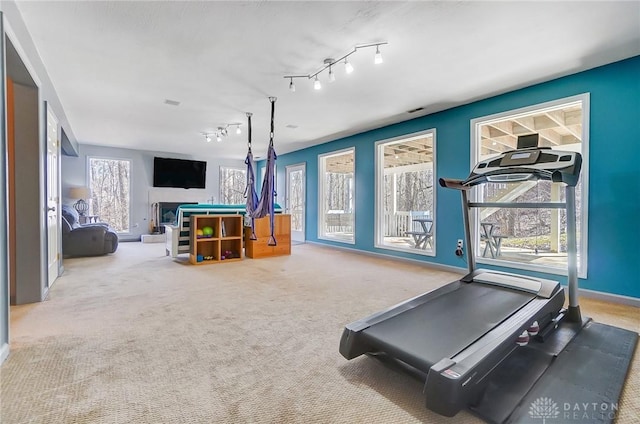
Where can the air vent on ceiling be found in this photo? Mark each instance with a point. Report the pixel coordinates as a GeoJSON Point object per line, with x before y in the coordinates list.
{"type": "Point", "coordinates": [292, 126]}
{"type": "Point", "coordinates": [171, 102]}
{"type": "Point", "coordinates": [418, 109]}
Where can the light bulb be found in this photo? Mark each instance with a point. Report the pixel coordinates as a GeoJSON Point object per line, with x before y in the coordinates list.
{"type": "Point", "coordinates": [316, 84]}
{"type": "Point", "coordinates": [332, 76]}
{"type": "Point", "coordinates": [292, 86]}
{"type": "Point", "coordinates": [238, 130]}
{"type": "Point", "coordinates": [208, 138]}
{"type": "Point", "coordinates": [218, 138]}
{"type": "Point", "coordinates": [347, 66]}
{"type": "Point", "coordinates": [378, 58]}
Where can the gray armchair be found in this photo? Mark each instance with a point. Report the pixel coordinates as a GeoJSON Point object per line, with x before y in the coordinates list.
{"type": "Point", "coordinates": [85, 240]}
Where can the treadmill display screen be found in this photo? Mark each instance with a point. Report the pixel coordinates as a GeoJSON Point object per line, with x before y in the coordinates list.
{"type": "Point", "coordinates": [521, 155]}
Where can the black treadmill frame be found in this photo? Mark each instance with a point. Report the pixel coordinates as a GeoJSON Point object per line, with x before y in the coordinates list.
{"type": "Point", "coordinates": [454, 383]}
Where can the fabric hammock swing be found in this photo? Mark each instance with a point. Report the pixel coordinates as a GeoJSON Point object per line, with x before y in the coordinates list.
{"type": "Point", "coordinates": [266, 205]}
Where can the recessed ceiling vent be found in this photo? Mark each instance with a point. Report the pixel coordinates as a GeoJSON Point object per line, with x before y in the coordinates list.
{"type": "Point", "coordinates": [418, 109]}
{"type": "Point", "coordinates": [292, 126]}
{"type": "Point", "coordinates": [171, 102]}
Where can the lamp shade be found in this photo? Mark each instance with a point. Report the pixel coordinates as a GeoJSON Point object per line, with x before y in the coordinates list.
{"type": "Point", "coordinates": [79, 193]}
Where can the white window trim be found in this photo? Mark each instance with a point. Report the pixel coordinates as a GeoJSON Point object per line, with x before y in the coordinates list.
{"type": "Point", "coordinates": [584, 178]}
{"type": "Point", "coordinates": [379, 195]}
{"type": "Point", "coordinates": [88, 180]}
{"type": "Point", "coordinates": [322, 190]}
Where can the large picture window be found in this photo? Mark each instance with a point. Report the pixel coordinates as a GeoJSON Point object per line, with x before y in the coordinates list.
{"type": "Point", "coordinates": [337, 196]}
{"type": "Point", "coordinates": [405, 201]}
{"type": "Point", "coordinates": [233, 183]}
{"type": "Point", "coordinates": [110, 184]}
{"type": "Point", "coordinates": [533, 239]}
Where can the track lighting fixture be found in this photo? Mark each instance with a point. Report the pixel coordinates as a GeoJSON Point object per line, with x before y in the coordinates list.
{"type": "Point", "coordinates": [222, 132]}
{"type": "Point", "coordinates": [328, 64]}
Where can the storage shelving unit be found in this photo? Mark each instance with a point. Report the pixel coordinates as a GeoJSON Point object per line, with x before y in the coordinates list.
{"type": "Point", "coordinates": [226, 237]}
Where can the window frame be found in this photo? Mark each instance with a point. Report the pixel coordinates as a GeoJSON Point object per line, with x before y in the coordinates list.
{"type": "Point", "coordinates": [475, 124]}
{"type": "Point", "coordinates": [88, 179]}
{"type": "Point", "coordinates": [322, 190]}
{"type": "Point", "coordinates": [379, 195]}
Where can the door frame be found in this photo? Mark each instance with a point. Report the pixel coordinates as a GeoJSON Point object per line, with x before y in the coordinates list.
{"type": "Point", "coordinates": [52, 196]}
{"type": "Point", "coordinates": [4, 239]}
{"type": "Point", "coordinates": [298, 236]}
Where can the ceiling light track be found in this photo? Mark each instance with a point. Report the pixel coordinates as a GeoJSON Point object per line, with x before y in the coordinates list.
{"type": "Point", "coordinates": [330, 63]}
{"type": "Point", "coordinates": [221, 132]}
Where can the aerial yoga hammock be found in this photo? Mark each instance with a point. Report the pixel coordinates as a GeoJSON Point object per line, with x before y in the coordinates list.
{"type": "Point", "coordinates": [250, 192]}
{"type": "Point", "coordinates": [266, 205]}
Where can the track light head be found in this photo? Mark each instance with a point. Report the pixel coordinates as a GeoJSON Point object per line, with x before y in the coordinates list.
{"type": "Point", "coordinates": [208, 138]}
{"type": "Point", "coordinates": [218, 138]}
{"type": "Point", "coordinates": [378, 57]}
{"type": "Point", "coordinates": [292, 86]}
{"type": "Point", "coordinates": [348, 67]}
{"type": "Point", "coordinates": [238, 130]}
{"type": "Point", "coordinates": [332, 75]}
{"type": "Point", "coordinates": [316, 84]}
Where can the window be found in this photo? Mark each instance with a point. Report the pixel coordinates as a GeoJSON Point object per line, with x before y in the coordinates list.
{"type": "Point", "coordinates": [337, 196]}
{"type": "Point", "coordinates": [405, 199]}
{"type": "Point", "coordinates": [233, 183]}
{"type": "Point", "coordinates": [533, 239]}
{"type": "Point", "coordinates": [110, 183]}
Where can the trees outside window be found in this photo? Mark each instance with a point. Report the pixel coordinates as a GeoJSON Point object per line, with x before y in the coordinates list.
{"type": "Point", "coordinates": [337, 196]}
{"type": "Point", "coordinates": [233, 183]}
{"type": "Point", "coordinates": [110, 184]}
{"type": "Point", "coordinates": [405, 193]}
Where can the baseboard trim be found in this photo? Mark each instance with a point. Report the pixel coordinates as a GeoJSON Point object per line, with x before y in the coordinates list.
{"type": "Point", "coordinates": [427, 264]}
{"type": "Point", "coordinates": [608, 297]}
{"type": "Point", "coordinates": [4, 352]}
{"type": "Point", "coordinates": [590, 294]}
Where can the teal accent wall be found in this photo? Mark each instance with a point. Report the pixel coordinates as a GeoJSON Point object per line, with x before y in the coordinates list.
{"type": "Point", "coordinates": [614, 187]}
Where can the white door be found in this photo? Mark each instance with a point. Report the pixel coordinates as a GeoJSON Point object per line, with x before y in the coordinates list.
{"type": "Point", "coordinates": [53, 195]}
{"type": "Point", "coordinates": [295, 201]}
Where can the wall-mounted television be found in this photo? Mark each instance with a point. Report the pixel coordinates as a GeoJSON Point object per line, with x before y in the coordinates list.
{"type": "Point", "coordinates": [180, 173]}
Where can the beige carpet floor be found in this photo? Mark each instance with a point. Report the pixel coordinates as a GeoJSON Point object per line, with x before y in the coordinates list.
{"type": "Point", "coordinates": [137, 337]}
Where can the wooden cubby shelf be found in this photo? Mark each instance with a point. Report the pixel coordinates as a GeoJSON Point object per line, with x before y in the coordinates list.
{"type": "Point", "coordinates": [215, 238]}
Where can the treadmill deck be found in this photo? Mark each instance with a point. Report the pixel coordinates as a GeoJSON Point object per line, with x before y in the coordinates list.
{"type": "Point", "coordinates": [444, 326]}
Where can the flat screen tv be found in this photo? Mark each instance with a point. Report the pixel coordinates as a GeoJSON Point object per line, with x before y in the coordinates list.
{"type": "Point", "coordinates": [180, 173]}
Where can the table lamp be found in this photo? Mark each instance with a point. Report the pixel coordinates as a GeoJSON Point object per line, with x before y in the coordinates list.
{"type": "Point", "coordinates": [80, 193]}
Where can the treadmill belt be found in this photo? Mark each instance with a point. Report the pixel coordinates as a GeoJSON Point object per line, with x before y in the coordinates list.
{"type": "Point", "coordinates": [442, 327]}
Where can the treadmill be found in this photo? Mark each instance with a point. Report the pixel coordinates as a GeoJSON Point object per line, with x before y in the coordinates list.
{"type": "Point", "coordinates": [456, 337]}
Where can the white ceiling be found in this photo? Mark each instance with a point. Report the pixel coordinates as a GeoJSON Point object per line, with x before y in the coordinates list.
{"type": "Point", "coordinates": [113, 64]}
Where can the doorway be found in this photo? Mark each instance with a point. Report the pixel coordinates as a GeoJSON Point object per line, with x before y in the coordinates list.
{"type": "Point", "coordinates": [295, 203]}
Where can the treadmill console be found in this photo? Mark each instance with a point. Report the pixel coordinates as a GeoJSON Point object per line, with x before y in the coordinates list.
{"type": "Point", "coordinates": [528, 164]}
